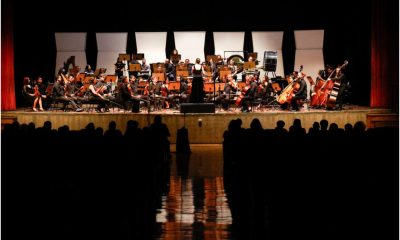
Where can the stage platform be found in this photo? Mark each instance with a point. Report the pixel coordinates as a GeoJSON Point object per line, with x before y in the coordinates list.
{"type": "Point", "coordinates": [205, 127]}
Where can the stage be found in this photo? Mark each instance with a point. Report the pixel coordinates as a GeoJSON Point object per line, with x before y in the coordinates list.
{"type": "Point", "coordinates": [205, 127]}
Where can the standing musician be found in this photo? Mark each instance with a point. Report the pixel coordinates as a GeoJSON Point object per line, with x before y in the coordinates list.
{"type": "Point", "coordinates": [144, 70]}
{"type": "Point", "coordinates": [339, 76]}
{"type": "Point", "coordinates": [119, 68]}
{"type": "Point", "coordinates": [169, 70]}
{"type": "Point", "coordinates": [233, 68]}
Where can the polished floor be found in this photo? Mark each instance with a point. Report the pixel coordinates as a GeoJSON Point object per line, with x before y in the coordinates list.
{"type": "Point", "coordinates": [195, 206]}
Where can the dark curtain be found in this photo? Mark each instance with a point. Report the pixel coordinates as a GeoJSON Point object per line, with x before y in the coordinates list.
{"type": "Point", "coordinates": [7, 58]}
{"type": "Point", "coordinates": [384, 55]}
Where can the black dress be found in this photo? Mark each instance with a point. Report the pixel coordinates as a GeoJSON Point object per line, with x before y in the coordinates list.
{"type": "Point", "coordinates": [197, 86]}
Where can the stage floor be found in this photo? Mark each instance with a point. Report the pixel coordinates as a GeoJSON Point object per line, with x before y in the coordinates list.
{"type": "Point", "coordinates": [205, 127]}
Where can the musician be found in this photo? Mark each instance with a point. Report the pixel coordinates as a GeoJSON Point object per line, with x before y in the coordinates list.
{"type": "Point", "coordinates": [144, 70]}
{"type": "Point", "coordinates": [96, 93]}
{"type": "Point", "coordinates": [28, 92]}
{"type": "Point", "coordinates": [299, 94]}
{"type": "Point", "coordinates": [58, 93]}
{"type": "Point", "coordinates": [324, 74]}
{"type": "Point", "coordinates": [339, 76]}
{"type": "Point", "coordinates": [197, 83]}
{"type": "Point", "coordinates": [88, 69]}
{"type": "Point", "coordinates": [42, 90]}
{"type": "Point", "coordinates": [183, 89]}
{"type": "Point", "coordinates": [72, 88]}
{"type": "Point", "coordinates": [214, 69]}
{"type": "Point", "coordinates": [128, 94]}
{"type": "Point", "coordinates": [229, 93]}
{"type": "Point", "coordinates": [249, 93]}
{"type": "Point", "coordinates": [233, 68]}
{"type": "Point", "coordinates": [250, 71]}
{"type": "Point", "coordinates": [169, 70]}
{"type": "Point", "coordinates": [32, 94]}
{"type": "Point", "coordinates": [174, 57]}
{"type": "Point", "coordinates": [119, 68]}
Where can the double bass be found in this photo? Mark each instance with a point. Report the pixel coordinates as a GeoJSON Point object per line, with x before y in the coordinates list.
{"type": "Point", "coordinates": [286, 94]}
{"type": "Point", "coordinates": [334, 91]}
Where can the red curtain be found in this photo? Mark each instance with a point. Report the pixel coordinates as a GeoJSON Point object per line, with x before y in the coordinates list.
{"type": "Point", "coordinates": [384, 55]}
{"type": "Point", "coordinates": [7, 59]}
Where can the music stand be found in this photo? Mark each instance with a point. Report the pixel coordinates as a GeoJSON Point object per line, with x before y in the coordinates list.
{"type": "Point", "coordinates": [224, 71]}
{"type": "Point", "coordinates": [160, 76]}
{"type": "Point", "coordinates": [111, 78]}
{"type": "Point", "coordinates": [175, 58]}
{"type": "Point", "coordinates": [155, 66]}
{"type": "Point", "coordinates": [135, 67]}
{"type": "Point", "coordinates": [249, 65]}
{"type": "Point", "coordinates": [253, 55]}
{"type": "Point", "coordinates": [124, 56]}
{"type": "Point", "coordinates": [138, 56]}
{"type": "Point", "coordinates": [214, 58]}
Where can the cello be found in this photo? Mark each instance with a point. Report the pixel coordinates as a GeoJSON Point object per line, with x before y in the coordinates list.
{"type": "Point", "coordinates": [286, 93]}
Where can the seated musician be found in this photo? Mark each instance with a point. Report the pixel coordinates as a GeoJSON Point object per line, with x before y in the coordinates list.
{"type": "Point", "coordinates": [73, 90]}
{"type": "Point", "coordinates": [188, 65]}
{"type": "Point", "coordinates": [59, 93]}
{"type": "Point", "coordinates": [128, 93]}
{"type": "Point", "coordinates": [248, 93]}
{"type": "Point", "coordinates": [183, 89]}
{"type": "Point", "coordinates": [88, 70]}
{"type": "Point", "coordinates": [229, 93]}
{"type": "Point", "coordinates": [299, 94]}
{"type": "Point", "coordinates": [97, 92]}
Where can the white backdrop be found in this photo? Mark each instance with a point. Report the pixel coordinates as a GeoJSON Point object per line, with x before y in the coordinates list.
{"type": "Point", "coordinates": [152, 44]}
{"type": "Point", "coordinates": [228, 41]}
{"type": "Point", "coordinates": [269, 41]}
{"type": "Point", "coordinates": [309, 52]}
{"type": "Point", "coordinates": [70, 44]}
{"type": "Point", "coordinates": [190, 45]}
{"type": "Point", "coordinates": [109, 46]}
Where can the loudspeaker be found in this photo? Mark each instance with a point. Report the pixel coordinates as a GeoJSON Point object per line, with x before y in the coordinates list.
{"type": "Point", "coordinates": [197, 108]}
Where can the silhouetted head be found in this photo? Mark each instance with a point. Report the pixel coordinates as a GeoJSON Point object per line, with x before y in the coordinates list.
{"type": "Point", "coordinates": [256, 124]}
{"type": "Point", "coordinates": [280, 124]}
{"type": "Point", "coordinates": [112, 125]}
{"type": "Point", "coordinates": [157, 119]}
{"type": "Point", "coordinates": [324, 124]}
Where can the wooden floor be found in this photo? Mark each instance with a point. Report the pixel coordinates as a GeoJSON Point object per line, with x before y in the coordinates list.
{"type": "Point", "coordinates": [205, 127]}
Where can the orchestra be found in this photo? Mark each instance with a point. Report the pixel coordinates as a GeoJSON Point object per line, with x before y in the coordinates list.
{"type": "Point", "coordinates": [168, 84]}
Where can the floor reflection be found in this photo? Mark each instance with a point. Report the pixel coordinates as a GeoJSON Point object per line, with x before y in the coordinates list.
{"type": "Point", "coordinates": [196, 205]}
